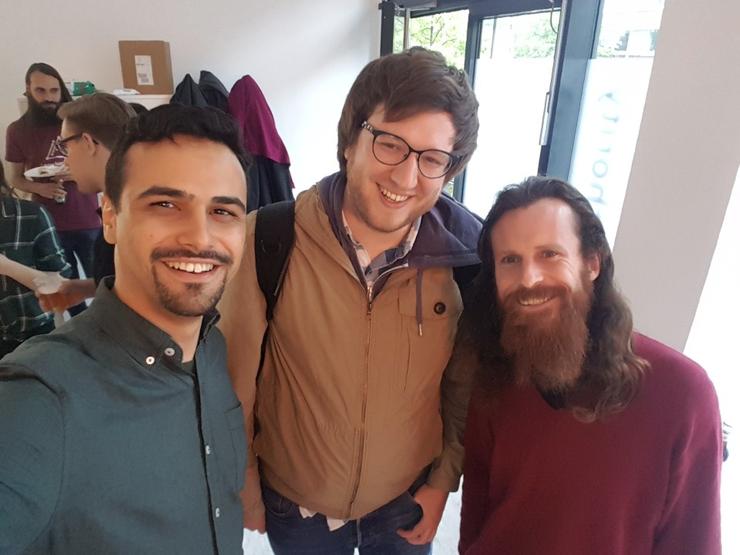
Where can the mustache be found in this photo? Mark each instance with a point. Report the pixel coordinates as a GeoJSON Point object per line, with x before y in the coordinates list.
{"type": "Point", "coordinates": [221, 258]}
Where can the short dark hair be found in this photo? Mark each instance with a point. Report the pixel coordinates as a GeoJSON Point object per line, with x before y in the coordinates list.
{"type": "Point", "coordinates": [408, 83]}
{"type": "Point", "coordinates": [102, 115]}
{"type": "Point", "coordinates": [165, 123]}
{"type": "Point", "coordinates": [46, 69]}
{"type": "Point", "coordinates": [611, 367]}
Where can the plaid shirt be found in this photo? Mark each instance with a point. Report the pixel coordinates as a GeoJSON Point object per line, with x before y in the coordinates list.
{"type": "Point", "coordinates": [373, 269]}
{"type": "Point", "coordinates": [27, 236]}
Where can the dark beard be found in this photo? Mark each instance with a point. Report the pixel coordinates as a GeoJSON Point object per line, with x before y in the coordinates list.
{"type": "Point", "coordinates": [42, 114]}
{"type": "Point", "coordinates": [548, 349]}
{"type": "Point", "coordinates": [197, 301]}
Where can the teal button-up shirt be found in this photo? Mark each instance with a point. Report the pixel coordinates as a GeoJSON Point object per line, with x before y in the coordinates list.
{"type": "Point", "coordinates": [110, 445]}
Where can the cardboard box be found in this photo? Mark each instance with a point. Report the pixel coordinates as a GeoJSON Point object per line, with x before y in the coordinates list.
{"type": "Point", "coordinates": [146, 66]}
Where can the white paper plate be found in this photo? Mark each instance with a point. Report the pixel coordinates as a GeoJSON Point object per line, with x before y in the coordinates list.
{"type": "Point", "coordinates": [47, 170]}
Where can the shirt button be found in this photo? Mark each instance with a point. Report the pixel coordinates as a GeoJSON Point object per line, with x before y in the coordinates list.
{"type": "Point", "coordinates": [169, 351]}
{"type": "Point", "coordinates": [208, 449]}
{"type": "Point", "coordinates": [218, 512]}
{"type": "Point", "coordinates": [150, 360]}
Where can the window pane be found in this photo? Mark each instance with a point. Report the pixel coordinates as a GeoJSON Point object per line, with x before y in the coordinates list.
{"type": "Point", "coordinates": [443, 32]}
{"type": "Point", "coordinates": [512, 78]}
{"type": "Point", "coordinates": [612, 104]}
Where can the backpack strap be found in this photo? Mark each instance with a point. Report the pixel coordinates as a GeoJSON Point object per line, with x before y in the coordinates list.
{"type": "Point", "coordinates": [274, 236]}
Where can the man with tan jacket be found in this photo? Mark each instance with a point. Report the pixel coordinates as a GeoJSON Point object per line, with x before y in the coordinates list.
{"type": "Point", "coordinates": [354, 423]}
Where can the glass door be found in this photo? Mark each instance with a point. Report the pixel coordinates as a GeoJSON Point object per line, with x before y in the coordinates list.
{"type": "Point", "coordinates": [508, 48]}
{"type": "Point", "coordinates": [512, 72]}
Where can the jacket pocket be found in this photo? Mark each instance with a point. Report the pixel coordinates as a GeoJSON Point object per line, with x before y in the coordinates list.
{"type": "Point", "coordinates": [427, 343]}
{"type": "Point", "coordinates": [235, 422]}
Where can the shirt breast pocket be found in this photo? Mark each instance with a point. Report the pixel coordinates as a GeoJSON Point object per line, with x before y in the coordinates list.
{"type": "Point", "coordinates": [427, 341]}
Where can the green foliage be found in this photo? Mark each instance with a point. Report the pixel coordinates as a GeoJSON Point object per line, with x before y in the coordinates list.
{"type": "Point", "coordinates": [445, 33]}
{"type": "Point", "coordinates": [529, 36]}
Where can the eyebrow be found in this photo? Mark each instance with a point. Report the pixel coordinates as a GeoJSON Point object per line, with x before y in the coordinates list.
{"type": "Point", "coordinates": [233, 201]}
{"type": "Point", "coordinates": [159, 190]}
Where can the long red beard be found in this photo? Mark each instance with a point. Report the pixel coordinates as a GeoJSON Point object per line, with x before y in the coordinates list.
{"type": "Point", "coordinates": [547, 349]}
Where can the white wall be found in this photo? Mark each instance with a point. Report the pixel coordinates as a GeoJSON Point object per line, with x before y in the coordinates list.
{"type": "Point", "coordinates": [684, 167]}
{"type": "Point", "coordinates": [304, 54]}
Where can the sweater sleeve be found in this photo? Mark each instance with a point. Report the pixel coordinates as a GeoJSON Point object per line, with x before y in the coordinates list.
{"type": "Point", "coordinates": [31, 443]}
{"type": "Point", "coordinates": [691, 517]}
{"type": "Point", "coordinates": [478, 447]}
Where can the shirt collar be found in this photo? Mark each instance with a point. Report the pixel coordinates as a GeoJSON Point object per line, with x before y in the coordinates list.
{"type": "Point", "coordinates": [373, 268]}
{"type": "Point", "coordinates": [144, 341]}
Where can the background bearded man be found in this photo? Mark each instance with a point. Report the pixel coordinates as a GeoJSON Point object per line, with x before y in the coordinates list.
{"type": "Point", "coordinates": [31, 141]}
{"type": "Point", "coordinates": [583, 436]}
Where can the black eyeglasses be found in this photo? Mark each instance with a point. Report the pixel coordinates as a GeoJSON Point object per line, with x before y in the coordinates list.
{"type": "Point", "coordinates": [62, 143]}
{"type": "Point", "coordinates": [392, 150]}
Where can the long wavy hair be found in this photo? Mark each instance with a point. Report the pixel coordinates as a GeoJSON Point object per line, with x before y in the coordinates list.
{"type": "Point", "coordinates": [612, 371]}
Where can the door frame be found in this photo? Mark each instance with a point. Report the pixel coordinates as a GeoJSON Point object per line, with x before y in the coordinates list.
{"type": "Point", "coordinates": [576, 42]}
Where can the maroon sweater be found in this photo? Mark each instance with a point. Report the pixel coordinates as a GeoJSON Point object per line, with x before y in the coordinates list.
{"type": "Point", "coordinates": [645, 481]}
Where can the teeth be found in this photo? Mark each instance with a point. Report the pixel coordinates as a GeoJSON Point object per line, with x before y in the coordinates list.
{"type": "Point", "coordinates": [534, 301]}
{"type": "Point", "coordinates": [392, 196]}
{"type": "Point", "coordinates": [190, 267]}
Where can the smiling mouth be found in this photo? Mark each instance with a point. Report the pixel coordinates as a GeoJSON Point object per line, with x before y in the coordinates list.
{"type": "Point", "coordinates": [534, 301]}
{"type": "Point", "coordinates": [191, 267]}
{"type": "Point", "coordinates": [393, 197]}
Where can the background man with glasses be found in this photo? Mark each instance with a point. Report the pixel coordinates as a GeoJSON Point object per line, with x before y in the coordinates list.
{"type": "Point", "coordinates": [31, 141]}
{"type": "Point", "coordinates": [354, 423]}
{"type": "Point", "coordinates": [91, 126]}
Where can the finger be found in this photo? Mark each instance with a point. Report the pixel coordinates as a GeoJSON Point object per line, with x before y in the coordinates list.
{"type": "Point", "coordinates": [418, 539]}
{"type": "Point", "coordinates": [413, 532]}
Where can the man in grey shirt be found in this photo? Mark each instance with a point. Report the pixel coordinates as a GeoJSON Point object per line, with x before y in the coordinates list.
{"type": "Point", "coordinates": [120, 432]}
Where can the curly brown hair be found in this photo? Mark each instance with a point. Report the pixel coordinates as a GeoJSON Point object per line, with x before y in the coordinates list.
{"type": "Point", "coordinates": [612, 372]}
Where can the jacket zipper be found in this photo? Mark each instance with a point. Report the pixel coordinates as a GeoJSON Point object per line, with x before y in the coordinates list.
{"type": "Point", "coordinates": [356, 485]}
{"type": "Point", "coordinates": [363, 414]}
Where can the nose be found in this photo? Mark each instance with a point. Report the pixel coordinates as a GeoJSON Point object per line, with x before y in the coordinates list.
{"type": "Point", "coordinates": [531, 274]}
{"type": "Point", "coordinates": [195, 232]}
{"type": "Point", "coordinates": [406, 174]}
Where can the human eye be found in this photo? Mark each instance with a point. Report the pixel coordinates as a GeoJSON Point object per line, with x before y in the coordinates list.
{"type": "Point", "coordinates": [224, 214]}
{"type": "Point", "coordinates": [437, 159]}
{"type": "Point", "coordinates": [549, 253]}
{"type": "Point", "coordinates": [389, 142]}
{"type": "Point", "coordinates": [167, 204]}
{"type": "Point", "coordinates": [509, 259]}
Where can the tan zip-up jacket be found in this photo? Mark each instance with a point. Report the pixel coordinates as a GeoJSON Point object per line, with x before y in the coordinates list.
{"type": "Point", "coordinates": [353, 403]}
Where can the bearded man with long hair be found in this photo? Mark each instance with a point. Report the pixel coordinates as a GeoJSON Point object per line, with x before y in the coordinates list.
{"type": "Point", "coordinates": [33, 141]}
{"type": "Point", "coordinates": [583, 436]}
